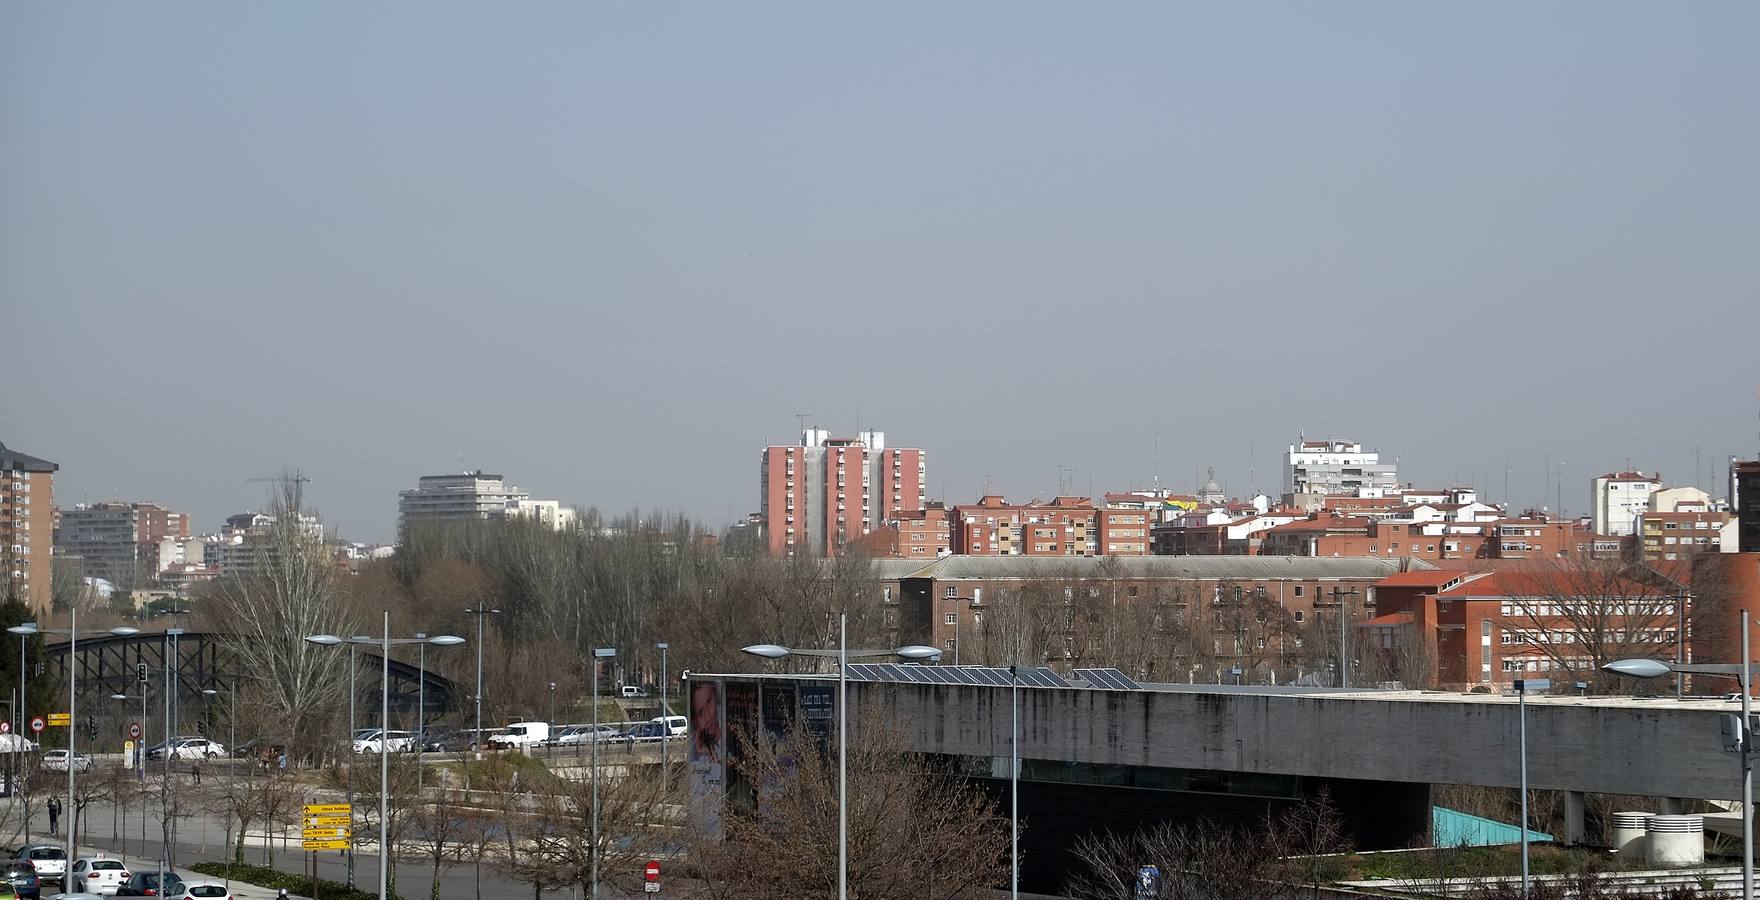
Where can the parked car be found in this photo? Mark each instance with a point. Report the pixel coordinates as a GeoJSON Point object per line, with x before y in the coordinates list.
{"type": "Point", "coordinates": [56, 761]}
{"type": "Point", "coordinates": [368, 740]}
{"type": "Point", "coordinates": [583, 734]}
{"type": "Point", "coordinates": [646, 731]}
{"type": "Point", "coordinates": [633, 690]}
{"type": "Point", "coordinates": [22, 875]}
{"type": "Point", "coordinates": [99, 875]}
{"type": "Point", "coordinates": [256, 746]}
{"type": "Point", "coordinates": [146, 884]}
{"type": "Point", "coordinates": [50, 860]}
{"type": "Point", "coordinates": [201, 890]}
{"type": "Point", "coordinates": [77, 895]}
{"type": "Point", "coordinates": [187, 748]}
{"type": "Point", "coordinates": [676, 726]}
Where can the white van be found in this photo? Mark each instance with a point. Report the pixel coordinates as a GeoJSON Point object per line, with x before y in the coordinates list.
{"type": "Point", "coordinates": [633, 690]}
{"type": "Point", "coordinates": [676, 726]}
{"type": "Point", "coordinates": [521, 734]}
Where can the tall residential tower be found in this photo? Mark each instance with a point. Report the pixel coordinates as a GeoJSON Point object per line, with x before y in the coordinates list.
{"type": "Point", "coordinates": [829, 491]}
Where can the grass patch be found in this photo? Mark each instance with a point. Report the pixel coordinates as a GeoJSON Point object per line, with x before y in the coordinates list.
{"type": "Point", "coordinates": [1466, 862]}
{"type": "Point", "coordinates": [275, 879]}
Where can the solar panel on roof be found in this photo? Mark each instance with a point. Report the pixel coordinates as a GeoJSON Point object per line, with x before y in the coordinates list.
{"type": "Point", "coordinates": [1049, 678]}
{"type": "Point", "coordinates": [993, 676]}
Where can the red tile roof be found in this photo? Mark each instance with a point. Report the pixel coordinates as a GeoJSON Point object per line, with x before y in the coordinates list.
{"type": "Point", "coordinates": [1432, 578]}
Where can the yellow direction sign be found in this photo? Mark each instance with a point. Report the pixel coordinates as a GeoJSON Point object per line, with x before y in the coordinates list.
{"type": "Point", "coordinates": [325, 834]}
{"type": "Point", "coordinates": [327, 809]}
{"type": "Point", "coordinates": [311, 821]}
{"type": "Point", "coordinates": [323, 845]}
{"type": "Point", "coordinates": [62, 719]}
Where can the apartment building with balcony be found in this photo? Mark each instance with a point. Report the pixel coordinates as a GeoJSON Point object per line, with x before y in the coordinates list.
{"type": "Point", "coordinates": [27, 527]}
{"type": "Point", "coordinates": [1337, 467]}
{"type": "Point", "coordinates": [820, 495]}
{"type": "Point", "coordinates": [118, 540]}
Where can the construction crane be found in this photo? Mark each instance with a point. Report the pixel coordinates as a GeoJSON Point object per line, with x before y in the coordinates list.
{"type": "Point", "coordinates": [294, 495]}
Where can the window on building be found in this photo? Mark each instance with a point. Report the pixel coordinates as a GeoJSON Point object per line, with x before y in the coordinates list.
{"type": "Point", "coordinates": [951, 592]}
{"type": "Point", "coordinates": [1298, 590]}
{"type": "Point", "coordinates": [950, 619]}
{"type": "Point", "coordinates": [1299, 617]}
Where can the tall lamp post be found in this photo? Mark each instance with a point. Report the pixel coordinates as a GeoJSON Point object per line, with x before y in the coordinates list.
{"type": "Point", "coordinates": [1523, 686]}
{"type": "Point", "coordinates": [599, 653]}
{"type": "Point", "coordinates": [18, 720]}
{"type": "Point", "coordinates": [1014, 783]}
{"type": "Point", "coordinates": [480, 611]}
{"type": "Point", "coordinates": [232, 747]}
{"type": "Point", "coordinates": [843, 655]}
{"type": "Point", "coordinates": [72, 633]}
{"type": "Point", "coordinates": [385, 643]}
{"type": "Point", "coordinates": [665, 714]}
{"type": "Point", "coordinates": [1741, 672]}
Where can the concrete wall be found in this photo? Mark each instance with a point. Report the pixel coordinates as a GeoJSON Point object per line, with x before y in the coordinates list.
{"type": "Point", "coordinates": [1655, 748]}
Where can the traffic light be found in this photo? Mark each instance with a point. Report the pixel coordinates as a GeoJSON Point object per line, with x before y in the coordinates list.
{"type": "Point", "coordinates": [140, 672]}
{"type": "Point", "coordinates": [91, 727]}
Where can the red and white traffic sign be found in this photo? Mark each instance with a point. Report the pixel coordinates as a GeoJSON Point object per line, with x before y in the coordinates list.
{"type": "Point", "coordinates": [134, 729]}
{"type": "Point", "coordinates": [37, 724]}
{"type": "Point", "coordinates": [5, 727]}
{"type": "Point", "coordinates": [651, 877]}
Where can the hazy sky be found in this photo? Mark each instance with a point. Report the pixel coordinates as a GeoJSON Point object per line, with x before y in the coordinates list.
{"type": "Point", "coordinates": [611, 250]}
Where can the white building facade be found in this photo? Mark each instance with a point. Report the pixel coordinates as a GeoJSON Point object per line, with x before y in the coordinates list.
{"type": "Point", "coordinates": [1618, 498]}
{"type": "Point", "coordinates": [1337, 467]}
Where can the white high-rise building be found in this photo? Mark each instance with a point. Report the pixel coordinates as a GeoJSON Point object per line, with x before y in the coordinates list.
{"type": "Point", "coordinates": [1618, 498]}
{"type": "Point", "coordinates": [1337, 467]}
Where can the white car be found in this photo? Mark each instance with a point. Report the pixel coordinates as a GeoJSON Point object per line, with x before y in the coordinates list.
{"type": "Point", "coordinates": [49, 860]}
{"type": "Point", "coordinates": [201, 890]}
{"type": "Point", "coordinates": [188, 748]}
{"type": "Point", "coordinates": [367, 740]}
{"type": "Point", "coordinates": [56, 761]}
{"type": "Point", "coordinates": [676, 726]}
{"type": "Point", "coordinates": [583, 734]}
{"type": "Point", "coordinates": [97, 875]}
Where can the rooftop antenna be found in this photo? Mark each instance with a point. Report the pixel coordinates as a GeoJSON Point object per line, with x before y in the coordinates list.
{"type": "Point", "coordinates": [1561, 489]}
{"type": "Point", "coordinates": [800, 420]}
{"type": "Point", "coordinates": [1157, 463]}
{"type": "Point", "coordinates": [1252, 467]}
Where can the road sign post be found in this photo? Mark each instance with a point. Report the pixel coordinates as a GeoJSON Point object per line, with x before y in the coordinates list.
{"type": "Point", "coordinates": [326, 826]}
{"type": "Point", "coordinates": [651, 877]}
{"type": "Point", "coordinates": [5, 727]}
{"type": "Point", "coordinates": [134, 730]}
{"type": "Point", "coordinates": [60, 720]}
{"type": "Point", "coordinates": [37, 724]}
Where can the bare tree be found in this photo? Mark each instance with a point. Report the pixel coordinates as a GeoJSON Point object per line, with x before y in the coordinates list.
{"type": "Point", "coordinates": [915, 829]}
{"type": "Point", "coordinates": [289, 592]}
{"type": "Point", "coordinates": [1578, 613]}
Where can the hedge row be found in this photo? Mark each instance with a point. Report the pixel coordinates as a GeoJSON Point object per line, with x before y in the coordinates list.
{"type": "Point", "coordinates": [274, 879]}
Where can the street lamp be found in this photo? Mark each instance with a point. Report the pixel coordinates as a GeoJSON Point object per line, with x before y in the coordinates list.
{"type": "Point", "coordinates": [477, 736]}
{"type": "Point", "coordinates": [231, 747]}
{"type": "Point", "coordinates": [665, 714]}
{"type": "Point", "coordinates": [385, 642]}
{"type": "Point", "coordinates": [842, 654]}
{"type": "Point", "coordinates": [598, 654]}
{"type": "Point", "coordinates": [140, 760]}
{"type": "Point", "coordinates": [1652, 668]}
{"type": "Point", "coordinates": [24, 629]}
{"type": "Point", "coordinates": [1014, 783]}
{"type": "Point", "coordinates": [18, 720]}
{"type": "Point", "coordinates": [1523, 686]}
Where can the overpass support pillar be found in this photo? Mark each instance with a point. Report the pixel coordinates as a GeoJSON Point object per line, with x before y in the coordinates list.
{"type": "Point", "coordinates": [1671, 806]}
{"type": "Point", "coordinates": [1573, 817]}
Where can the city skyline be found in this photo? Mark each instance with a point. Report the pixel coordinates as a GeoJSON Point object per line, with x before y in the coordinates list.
{"type": "Point", "coordinates": [612, 253]}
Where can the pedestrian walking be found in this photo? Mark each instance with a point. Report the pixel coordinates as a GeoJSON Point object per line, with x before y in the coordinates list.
{"type": "Point", "coordinates": [196, 769]}
{"type": "Point", "coordinates": [54, 807]}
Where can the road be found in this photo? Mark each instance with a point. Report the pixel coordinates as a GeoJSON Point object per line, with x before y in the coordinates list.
{"type": "Point", "coordinates": [414, 875]}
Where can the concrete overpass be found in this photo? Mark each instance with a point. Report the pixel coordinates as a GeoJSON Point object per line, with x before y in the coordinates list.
{"type": "Point", "coordinates": [1116, 758]}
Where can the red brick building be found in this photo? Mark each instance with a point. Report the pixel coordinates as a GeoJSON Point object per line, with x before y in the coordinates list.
{"type": "Point", "coordinates": [827, 492]}
{"type": "Point", "coordinates": [1564, 622]}
{"type": "Point", "coordinates": [27, 527]}
{"type": "Point", "coordinates": [1064, 526]}
{"type": "Point", "coordinates": [922, 534]}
